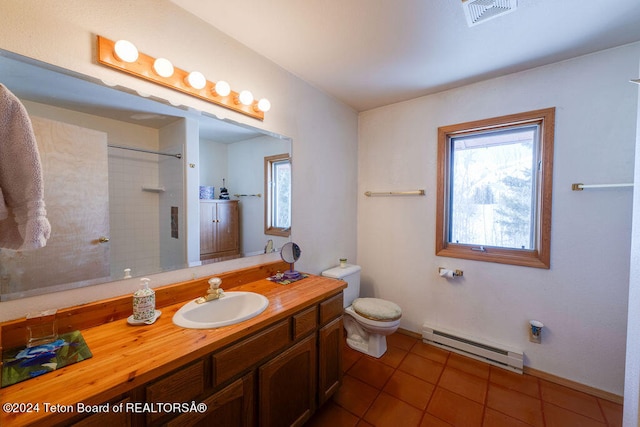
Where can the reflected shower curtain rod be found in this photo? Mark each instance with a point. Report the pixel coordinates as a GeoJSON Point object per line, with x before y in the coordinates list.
{"type": "Point", "coordinates": [394, 193]}
{"type": "Point", "coordinates": [177, 156]}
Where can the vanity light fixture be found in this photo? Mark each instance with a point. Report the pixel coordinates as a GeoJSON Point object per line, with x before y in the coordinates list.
{"type": "Point", "coordinates": [196, 80]}
{"type": "Point", "coordinates": [221, 88]}
{"type": "Point", "coordinates": [245, 98]}
{"type": "Point", "coordinates": [125, 51]}
{"type": "Point", "coordinates": [163, 67]}
{"type": "Point", "coordinates": [123, 56]}
{"type": "Point", "coordinates": [263, 105]}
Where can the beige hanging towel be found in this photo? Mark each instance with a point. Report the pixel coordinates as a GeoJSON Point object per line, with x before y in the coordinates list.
{"type": "Point", "coordinates": [23, 218]}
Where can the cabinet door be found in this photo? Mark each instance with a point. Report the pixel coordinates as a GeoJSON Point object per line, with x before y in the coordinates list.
{"type": "Point", "coordinates": [231, 406]}
{"type": "Point", "coordinates": [287, 386]}
{"type": "Point", "coordinates": [108, 418]}
{"type": "Point", "coordinates": [330, 345]}
{"type": "Point", "coordinates": [207, 227]}
{"type": "Point", "coordinates": [183, 385]}
{"type": "Point", "coordinates": [226, 233]}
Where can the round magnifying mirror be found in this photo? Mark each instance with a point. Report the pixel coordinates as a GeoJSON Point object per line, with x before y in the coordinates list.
{"type": "Point", "coordinates": [290, 253]}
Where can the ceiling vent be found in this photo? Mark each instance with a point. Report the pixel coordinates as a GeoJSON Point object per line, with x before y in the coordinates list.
{"type": "Point", "coordinates": [479, 11]}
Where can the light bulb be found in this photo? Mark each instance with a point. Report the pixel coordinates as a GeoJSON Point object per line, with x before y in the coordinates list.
{"type": "Point", "coordinates": [264, 105]}
{"type": "Point", "coordinates": [196, 80]}
{"type": "Point", "coordinates": [222, 88]}
{"type": "Point", "coordinates": [163, 67]}
{"type": "Point", "coordinates": [125, 51]}
{"type": "Point", "coordinates": [245, 97]}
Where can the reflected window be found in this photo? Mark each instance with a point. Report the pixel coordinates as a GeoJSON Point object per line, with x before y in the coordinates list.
{"type": "Point", "coordinates": [494, 189]}
{"type": "Point", "coordinates": [278, 195]}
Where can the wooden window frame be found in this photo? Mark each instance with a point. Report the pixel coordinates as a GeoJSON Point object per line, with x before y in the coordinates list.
{"type": "Point", "coordinates": [540, 256]}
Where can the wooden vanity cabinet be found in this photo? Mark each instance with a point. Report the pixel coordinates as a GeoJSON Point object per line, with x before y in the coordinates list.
{"type": "Point", "coordinates": [219, 229]}
{"type": "Point", "coordinates": [275, 377]}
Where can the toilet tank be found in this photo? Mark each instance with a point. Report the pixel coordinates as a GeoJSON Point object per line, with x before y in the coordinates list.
{"type": "Point", "coordinates": [351, 275]}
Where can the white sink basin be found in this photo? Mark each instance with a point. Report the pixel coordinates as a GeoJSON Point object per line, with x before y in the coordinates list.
{"type": "Point", "coordinates": [233, 307]}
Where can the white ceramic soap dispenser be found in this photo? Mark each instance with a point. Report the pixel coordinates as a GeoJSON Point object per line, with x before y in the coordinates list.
{"type": "Point", "coordinates": [144, 302]}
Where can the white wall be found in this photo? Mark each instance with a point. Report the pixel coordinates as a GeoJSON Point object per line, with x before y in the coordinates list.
{"type": "Point", "coordinates": [246, 176]}
{"type": "Point", "coordinates": [324, 131]}
{"type": "Point", "coordinates": [632, 375]}
{"type": "Point", "coordinates": [173, 139]}
{"type": "Point", "coordinates": [582, 299]}
{"type": "Point", "coordinates": [213, 164]}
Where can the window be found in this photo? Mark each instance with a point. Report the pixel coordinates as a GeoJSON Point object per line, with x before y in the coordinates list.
{"type": "Point", "coordinates": [277, 203]}
{"type": "Point", "coordinates": [494, 189]}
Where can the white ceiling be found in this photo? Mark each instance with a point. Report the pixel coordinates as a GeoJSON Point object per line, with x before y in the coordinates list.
{"type": "Point", "coordinates": [370, 53]}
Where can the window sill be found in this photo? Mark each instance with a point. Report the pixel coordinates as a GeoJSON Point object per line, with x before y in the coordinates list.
{"type": "Point", "coordinates": [521, 257]}
{"type": "Point", "coordinates": [278, 232]}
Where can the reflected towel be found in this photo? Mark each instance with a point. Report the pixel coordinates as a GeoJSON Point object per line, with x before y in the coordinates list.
{"type": "Point", "coordinates": [23, 218]}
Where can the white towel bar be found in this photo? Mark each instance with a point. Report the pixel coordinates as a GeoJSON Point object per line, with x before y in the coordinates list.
{"type": "Point", "coordinates": [394, 193]}
{"type": "Point", "coordinates": [580, 187]}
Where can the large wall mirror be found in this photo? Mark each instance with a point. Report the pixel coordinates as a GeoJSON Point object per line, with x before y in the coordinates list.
{"type": "Point", "coordinates": [133, 185]}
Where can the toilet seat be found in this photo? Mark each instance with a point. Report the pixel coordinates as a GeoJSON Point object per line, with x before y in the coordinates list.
{"type": "Point", "coordinates": [377, 309]}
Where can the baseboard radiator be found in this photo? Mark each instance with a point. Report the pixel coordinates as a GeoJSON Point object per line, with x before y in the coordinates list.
{"type": "Point", "coordinates": [489, 353]}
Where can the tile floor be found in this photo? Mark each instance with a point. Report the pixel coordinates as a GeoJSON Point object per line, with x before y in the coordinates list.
{"type": "Point", "coordinates": [416, 384]}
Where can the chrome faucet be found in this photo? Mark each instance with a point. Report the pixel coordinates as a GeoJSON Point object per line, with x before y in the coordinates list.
{"type": "Point", "coordinates": [214, 291]}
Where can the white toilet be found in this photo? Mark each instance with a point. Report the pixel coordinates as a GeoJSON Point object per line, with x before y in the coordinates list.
{"type": "Point", "coordinates": [368, 321]}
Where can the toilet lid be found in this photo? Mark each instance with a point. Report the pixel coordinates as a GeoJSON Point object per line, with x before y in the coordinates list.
{"type": "Point", "coordinates": [377, 309]}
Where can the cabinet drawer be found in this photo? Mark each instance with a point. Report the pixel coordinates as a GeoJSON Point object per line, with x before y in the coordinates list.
{"type": "Point", "coordinates": [110, 418]}
{"type": "Point", "coordinates": [331, 308]}
{"type": "Point", "coordinates": [183, 385]}
{"type": "Point", "coordinates": [239, 357]}
{"type": "Point", "coordinates": [305, 322]}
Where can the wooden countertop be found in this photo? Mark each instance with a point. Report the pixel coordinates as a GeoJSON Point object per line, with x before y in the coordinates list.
{"type": "Point", "coordinates": [125, 356]}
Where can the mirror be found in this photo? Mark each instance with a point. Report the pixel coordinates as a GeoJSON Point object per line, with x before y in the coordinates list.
{"type": "Point", "coordinates": [128, 170]}
{"type": "Point", "coordinates": [290, 254]}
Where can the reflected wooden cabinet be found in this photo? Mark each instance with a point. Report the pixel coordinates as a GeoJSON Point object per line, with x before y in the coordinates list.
{"type": "Point", "coordinates": [219, 229]}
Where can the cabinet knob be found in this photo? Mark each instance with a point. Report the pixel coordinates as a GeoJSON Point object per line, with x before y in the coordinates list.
{"type": "Point", "coordinates": [103, 239]}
